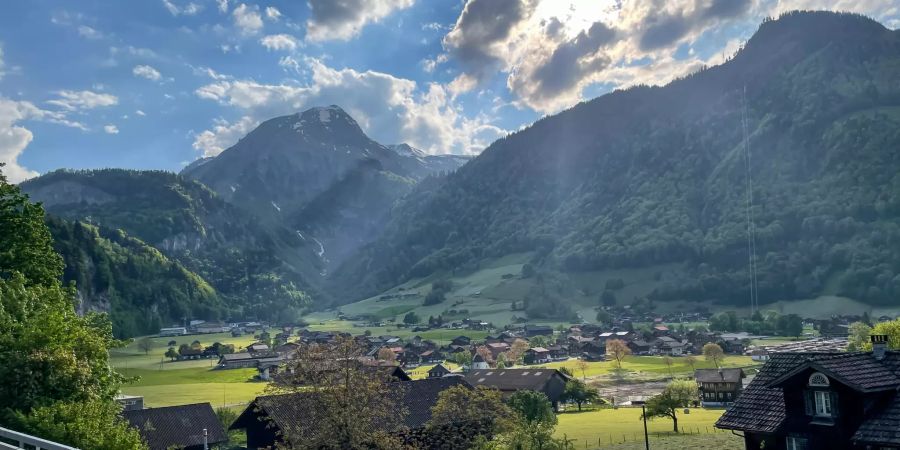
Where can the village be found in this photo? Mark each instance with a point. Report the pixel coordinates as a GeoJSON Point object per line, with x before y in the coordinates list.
{"type": "Point", "coordinates": [583, 367]}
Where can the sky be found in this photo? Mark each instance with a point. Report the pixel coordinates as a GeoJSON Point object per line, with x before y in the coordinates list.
{"type": "Point", "coordinates": [156, 84]}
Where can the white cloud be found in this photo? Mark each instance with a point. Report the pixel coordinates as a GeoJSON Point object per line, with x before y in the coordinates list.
{"type": "Point", "coordinates": [390, 109]}
{"type": "Point", "coordinates": [147, 72]}
{"type": "Point", "coordinates": [223, 5]}
{"type": "Point", "coordinates": [14, 138]}
{"type": "Point", "coordinates": [111, 129]}
{"type": "Point", "coordinates": [272, 13]}
{"type": "Point", "coordinates": [551, 50]}
{"type": "Point", "coordinates": [344, 19]}
{"type": "Point", "coordinates": [140, 113]}
{"type": "Point", "coordinates": [280, 42]}
{"type": "Point", "coordinates": [247, 19]}
{"type": "Point", "coordinates": [80, 100]}
{"type": "Point", "coordinates": [2, 65]}
{"type": "Point", "coordinates": [88, 32]}
{"type": "Point", "coordinates": [223, 135]}
{"type": "Point", "coordinates": [189, 9]}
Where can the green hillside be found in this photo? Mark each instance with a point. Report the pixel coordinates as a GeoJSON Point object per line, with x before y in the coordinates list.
{"type": "Point", "coordinates": [655, 177]}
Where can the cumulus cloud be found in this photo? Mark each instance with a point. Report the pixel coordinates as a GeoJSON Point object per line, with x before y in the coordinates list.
{"type": "Point", "coordinates": [140, 113]}
{"type": "Point", "coordinates": [247, 19]}
{"type": "Point", "coordinates": [111, 129]}
{"type": "Point", "coordinates": [223, 5]}
{"type": "Point", "coordinates": [344, 19]}
{"type": "Point", "coordinates": [272, 13]}
{"type": "Point", "coordinates": [484, 26]}
{"type": "Point", "coordinates": [223, 135]}
{"type": "Point", "coordinates": [80, 100]}
{"type": "Point", "coordinates": [390, 109]}
{"type": "Point", "coordinates": [147, 72]}
{"type": "Point", "coordinates": [2, 65]}
{"type": "Point", "coordinates": [14, 137]}
{"type": "Point", "coordinates": [550, 50]}
{"type": "Point", "coordinates": [280, 42]}
{"type": "Point", "coordinates": [188, 9]}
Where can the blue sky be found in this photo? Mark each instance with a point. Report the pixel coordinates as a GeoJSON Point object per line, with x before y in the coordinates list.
{"type": "Point", "coordinates": [159, 83]}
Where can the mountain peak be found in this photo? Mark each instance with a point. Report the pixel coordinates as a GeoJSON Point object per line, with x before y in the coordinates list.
{"type": "Point", "coordinates": [407, 150]}
{"type": "Point", "coordinates": [327, 116]}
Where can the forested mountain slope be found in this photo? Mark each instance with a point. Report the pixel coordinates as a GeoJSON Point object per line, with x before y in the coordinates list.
{"type": "Point", "coordinates": [654, 175]}
{"type": "Point", "coordinates": [140, 287]}
{"type": "Point", "coordinates": [259, 269]}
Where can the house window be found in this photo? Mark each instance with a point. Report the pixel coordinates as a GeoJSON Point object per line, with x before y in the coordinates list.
{"type": "Point", "coordinates": [819, 380]}
{"type": "Point", "coordinates": [797, 443]}
{"type": "Point", "coordinates": [823, 403]}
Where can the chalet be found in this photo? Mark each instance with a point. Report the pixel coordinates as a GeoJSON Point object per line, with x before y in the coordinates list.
{"type": "Point", "coordinates": [497, 348]}
{"type": "Point", "coordinates": [550, 382]}
{"type": "Point", "coordinates": [538, 330]}
{"type": "Point", "coordinates": [269, 419]}
{"type": "Point", "coordinates": [431, 357]}
{"type": "Point", "coordinates": [821, 401]}
{"type": "Point", "coordinates": [188, 427]}
{"type": "Point", "coordinates": [639, 347]}
{"type": "Point", "coordinates": [461, 341]}
{"type": "Point", "coordinates": [438, 371]}
{"type": "Point", "coordinates": [537, 355]}
{"type": "Point", "coordinates": [478, 362]}
{"type": "Point", "coordinates": [237, 361]}
{"type": "Point", "coordinates": [130, 402]}
{"type": "Point", "coordinates": [592, 351]}
{"type": "Point", "coordinates": [258, 347]}
{"type": "Point", "coordinates": [666, 345]}
{"type": "Point", "coordinates": [719, 387]}
{"type": "Point", "coordinates": [558, 351]}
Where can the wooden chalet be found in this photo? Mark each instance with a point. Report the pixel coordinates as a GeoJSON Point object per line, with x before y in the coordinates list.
{"type": "Point", "coordinates": [826, 401]}
{"type": "Point", "coordinates": [719, 387]}
{"type": "Point", "coordinates": [550, 382]}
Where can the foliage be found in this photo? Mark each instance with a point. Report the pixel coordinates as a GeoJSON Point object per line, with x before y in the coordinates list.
{"type": "Point", "coordinates": [580, 393]}
{"type": "Point", "coordinates": [145, 344]}
{"type": "Point", "coordinates": [532, 407]}
{"type": "Point", "coordinates": [656, 183]}
{"type": "Point", "coordinates": [438, 293]}
{"type": "Point", "coordinates": [411, 318]}
{"type": "Point", "coordinates": [57, 382]}
{"type": "Point", "coordinates": [618, 349]}
{"type": "Point", "coordinates": [353, 405]}
{"type": "Point", "coordinates": [459, 404]}
{"type": "Point", "coordinates": [87, 424]}
{"type": "Point", "coordinates": [386, 354]}
{"type": "Point", "coordinates": [713, 353]}
{"type": "Point", "coordinates": [25, 243]}
{"type": "Point", "coordinates": [677, 394]}
{"type": "Point", "coordinates": [463, 358]}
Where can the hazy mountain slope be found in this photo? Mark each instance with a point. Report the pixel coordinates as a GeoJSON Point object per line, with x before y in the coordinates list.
{"type": "Point", "coordinates": [253, 265]}
{"type": "Point", "coordinates": [140, 287]}
{"type": "Point", "coordinates": [658, 175]}
{"type": "Point", "coordinates": [318, 173]}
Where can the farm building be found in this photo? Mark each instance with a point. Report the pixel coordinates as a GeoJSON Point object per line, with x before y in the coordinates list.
{"type": "Point", "coordinates": [182, 426]}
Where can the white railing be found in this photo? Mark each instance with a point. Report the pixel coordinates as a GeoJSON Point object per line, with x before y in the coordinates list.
{"type": "Point", "coordinates": [10, 439]}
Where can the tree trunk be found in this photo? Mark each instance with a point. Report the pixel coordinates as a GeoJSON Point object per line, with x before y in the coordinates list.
{"type": "Point", "coordinates": [674, 422]}
{"type": "Point", "coordinates": [579, 406]}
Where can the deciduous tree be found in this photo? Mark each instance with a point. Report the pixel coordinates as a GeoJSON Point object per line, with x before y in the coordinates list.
{"type": "Point", "coordinates": [618, 350]}
{"type": "Point", "coordinates": [677, 394]}
{"type": "Point", "coordinates": [580, 393]}
{"type": "Point", "coordinates": [713, 353]}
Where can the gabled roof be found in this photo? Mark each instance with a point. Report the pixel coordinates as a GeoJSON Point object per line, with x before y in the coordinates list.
{"type": "Point", "coordinates": [719, 375]}
{"type": "Point", "coordinates": [513, 379]}
{"type": "Point", "coordinates": [760, 408]}
{"type": "Point", "coordinates": [883, 428]}
{"type": "Point", "coordinates": [177, 426]}
{"type": "Point", "coordinates": [290, 413]}
{"type": "Point", "coordinates": [858, 371]}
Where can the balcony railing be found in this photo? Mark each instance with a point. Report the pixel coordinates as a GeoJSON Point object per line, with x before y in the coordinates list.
{"type": "Point", "coordinates": [10, 439]}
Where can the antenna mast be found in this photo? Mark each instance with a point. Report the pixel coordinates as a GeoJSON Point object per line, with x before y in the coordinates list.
{"type": "Point", "coordinates": [751, 226]}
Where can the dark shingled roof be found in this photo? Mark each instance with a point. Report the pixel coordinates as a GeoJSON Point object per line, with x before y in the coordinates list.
{"type": "Point", "coordinates": [177, 426]}
{"type": "Point", "coordinates": [882, 428]}
{"type": "Point", "coordinates": [290, 412]}
{"type": "Point", "coordinates": [760, 408]}
{"type": "Point", "coordinates": [719, 375]}
{"type": "Point", "coordinates": [513, 379]}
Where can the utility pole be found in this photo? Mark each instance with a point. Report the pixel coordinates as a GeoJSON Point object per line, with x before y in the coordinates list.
{"type": "Point", "coordinates": [205, 440]}
{"type": "Point", "coordinates": [646, 437]}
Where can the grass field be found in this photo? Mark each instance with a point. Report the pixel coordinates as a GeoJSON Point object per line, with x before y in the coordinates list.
{"type": "Point", "coordinates": [605, 427]}
{"type": "Point", "coordinates": [164, 383]}
{"type": "Point", "coordinates": [647, 364]}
